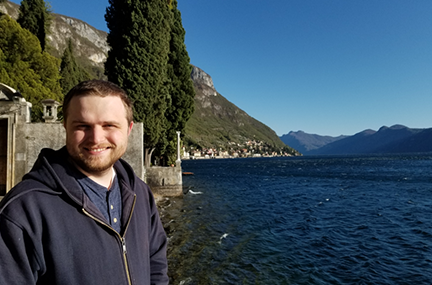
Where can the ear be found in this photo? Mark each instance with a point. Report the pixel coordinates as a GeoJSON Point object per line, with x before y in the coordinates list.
{"type": "Point", "coordinates": [130, 127]}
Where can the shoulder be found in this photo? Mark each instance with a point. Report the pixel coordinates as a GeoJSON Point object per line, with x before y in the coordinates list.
{"type": "Point", "coordinates": [26, 203]}
{"type": "Point", "coordinates": [24, 190]}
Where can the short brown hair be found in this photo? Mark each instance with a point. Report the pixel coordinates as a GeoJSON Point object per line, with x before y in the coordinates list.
{"type": "Point", "coordinates": [100, 88]}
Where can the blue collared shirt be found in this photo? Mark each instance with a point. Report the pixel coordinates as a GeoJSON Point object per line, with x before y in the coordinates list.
{"type": "Point", "coordinates": [109, 202]}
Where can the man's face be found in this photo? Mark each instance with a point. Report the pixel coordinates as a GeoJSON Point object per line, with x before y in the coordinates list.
{"type": "Point", "coordinates": [96, 132]}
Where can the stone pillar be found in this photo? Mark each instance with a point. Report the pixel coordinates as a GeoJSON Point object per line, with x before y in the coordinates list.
{"type": "Point", "coordinates": [178, 148]}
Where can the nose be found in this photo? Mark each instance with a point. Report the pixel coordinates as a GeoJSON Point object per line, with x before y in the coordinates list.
{"type": "Point", "coordinates": [95, 135]}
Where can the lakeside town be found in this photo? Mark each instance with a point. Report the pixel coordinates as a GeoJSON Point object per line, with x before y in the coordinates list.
{"type": "Point", "coordinates": [251, 148]}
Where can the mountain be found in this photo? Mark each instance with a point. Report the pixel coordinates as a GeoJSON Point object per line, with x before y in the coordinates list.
{"type": "Point", "coordinates": [216, 122]}
{"type": "Point", "coordinates": [394, 139]}
{"type": "Point", "coordinates": [305, 143]}
{"type": "Point", "coordinates": [419, 142]}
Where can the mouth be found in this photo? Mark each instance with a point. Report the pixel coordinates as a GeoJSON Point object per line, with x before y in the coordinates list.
{"type": "Point", "coordinates": [97, 150]}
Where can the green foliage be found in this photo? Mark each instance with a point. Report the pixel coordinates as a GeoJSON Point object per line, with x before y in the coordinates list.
{"type": "Point", "coordinates": [93, 71]}
{"type": "Point", "coordinates": [71, 73]}
{"type": "Point", "coordinates": [35, 16]}
{"type": "Point", "coordinates": [181, 86]}
{"type": "Point", "coordinates": [25, 67]}
{"type": "Point", "coordinates": [139, 34]}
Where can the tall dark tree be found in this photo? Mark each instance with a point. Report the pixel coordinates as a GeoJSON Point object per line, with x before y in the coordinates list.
{"type": "Point", "coordinates": [181, 86]}
{"type": "Point", "coordinates": [139, 34]}
{"type": "Point", "coordinates": [35, 16]}
{"type": "Point", "coordinates": [71, 73]}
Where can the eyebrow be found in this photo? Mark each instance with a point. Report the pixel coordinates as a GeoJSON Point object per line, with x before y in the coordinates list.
{"type": "Point", "coordinates": [102, 123]}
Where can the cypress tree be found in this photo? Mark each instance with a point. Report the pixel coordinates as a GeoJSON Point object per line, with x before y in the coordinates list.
{"type": "Point", "coordinates": [26, 68]}
{"type": "Point", "coordinates": [139, 34]}
{"type": "Point", "coordinates": [181, 86]}
{"type": "Point", "coordinates": [34, 15]}
{"type": "Point", "coordinates": [71, 73]}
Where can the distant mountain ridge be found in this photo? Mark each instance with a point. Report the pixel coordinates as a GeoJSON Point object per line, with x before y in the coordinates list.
{"type": "Point", "coordinates": [394, 139]}
{"type": "Point", "coordinates": [305, 143]}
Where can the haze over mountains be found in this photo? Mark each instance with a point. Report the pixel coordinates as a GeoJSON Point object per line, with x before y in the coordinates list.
{"type": "Point", "coordinates": [394, 139]}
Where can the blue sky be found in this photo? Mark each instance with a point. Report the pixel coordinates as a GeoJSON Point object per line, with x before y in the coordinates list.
{"type": "Point", "coordinates": [328, 67]}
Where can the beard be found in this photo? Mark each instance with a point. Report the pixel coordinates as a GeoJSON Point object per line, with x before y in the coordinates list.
{"type": "Point", "coordinates": [93, 164]}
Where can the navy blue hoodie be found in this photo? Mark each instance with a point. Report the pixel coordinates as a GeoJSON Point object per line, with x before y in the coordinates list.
{"type": "Point", "coordinates": [50, 232]}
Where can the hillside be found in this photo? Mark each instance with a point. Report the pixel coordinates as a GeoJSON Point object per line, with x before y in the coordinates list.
{"type": "Point", "coordinates": [216, 122]}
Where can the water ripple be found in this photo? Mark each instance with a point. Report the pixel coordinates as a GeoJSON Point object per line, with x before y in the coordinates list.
{"type": "Point", "coordinates": [323, 220]}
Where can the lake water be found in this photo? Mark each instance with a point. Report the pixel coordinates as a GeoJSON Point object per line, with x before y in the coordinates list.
{"type": "Point", "coordinates": [303, 220]}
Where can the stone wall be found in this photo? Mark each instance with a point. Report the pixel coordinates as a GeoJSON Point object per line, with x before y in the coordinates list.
{"type": "Point", "coordinates": [165, 181]}
{"type": "Point", "coordinates": [37, 136]}
{"type": "Point", "coordinates": [32, 137]}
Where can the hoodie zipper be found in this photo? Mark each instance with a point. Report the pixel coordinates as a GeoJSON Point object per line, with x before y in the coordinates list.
{"type": "Point", "coordinates": [122, 239]}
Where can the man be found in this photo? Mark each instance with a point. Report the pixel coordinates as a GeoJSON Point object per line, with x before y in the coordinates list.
{"type": "Point", "coordinates": [81, 215]}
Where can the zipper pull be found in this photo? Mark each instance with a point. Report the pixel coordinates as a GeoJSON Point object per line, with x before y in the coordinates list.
{"type": "Point", "coordinates": [124, 246]}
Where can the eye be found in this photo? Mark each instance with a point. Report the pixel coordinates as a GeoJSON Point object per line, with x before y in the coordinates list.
{"type": "Point", "coordinates": [109, 126]}
{"type": "Point", "coordinates": [81, 127]}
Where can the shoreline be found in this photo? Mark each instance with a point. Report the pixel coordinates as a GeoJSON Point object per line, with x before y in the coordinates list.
{"type": "Point", "coordinates": [170, 209]}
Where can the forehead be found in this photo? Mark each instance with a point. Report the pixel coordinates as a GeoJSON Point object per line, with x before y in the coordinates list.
{"type": "Point", "coordinates": [93, 107]}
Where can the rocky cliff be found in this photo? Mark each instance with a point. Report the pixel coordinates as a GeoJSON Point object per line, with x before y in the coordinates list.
{"type": "Point", "coordinates": [204, 81]}
{"type": "Point", "coordinates": [88, 42]}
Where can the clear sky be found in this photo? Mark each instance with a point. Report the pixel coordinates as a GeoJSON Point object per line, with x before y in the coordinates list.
{"type": "Point", "coordinates": [325, 67]}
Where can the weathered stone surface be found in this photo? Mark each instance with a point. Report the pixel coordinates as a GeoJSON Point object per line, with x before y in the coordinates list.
{"type": "Point", "coordinates": [87, 41]}
{"type": "Point", "coordinates": [135, 152]}
{"type": "Point", "coordinates": [10, 9]}
{"type": "Point", "coordinates": [204, 81]}
{"type": "Point", "coordinates": [165, 181]}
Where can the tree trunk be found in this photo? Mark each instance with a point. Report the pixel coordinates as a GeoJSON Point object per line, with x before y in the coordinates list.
{"type": "Point", "coordinates": [147, 156]}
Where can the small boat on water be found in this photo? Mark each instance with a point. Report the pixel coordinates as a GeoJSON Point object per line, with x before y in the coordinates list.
{"type": "Point", "coordinates": [187, 173]}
